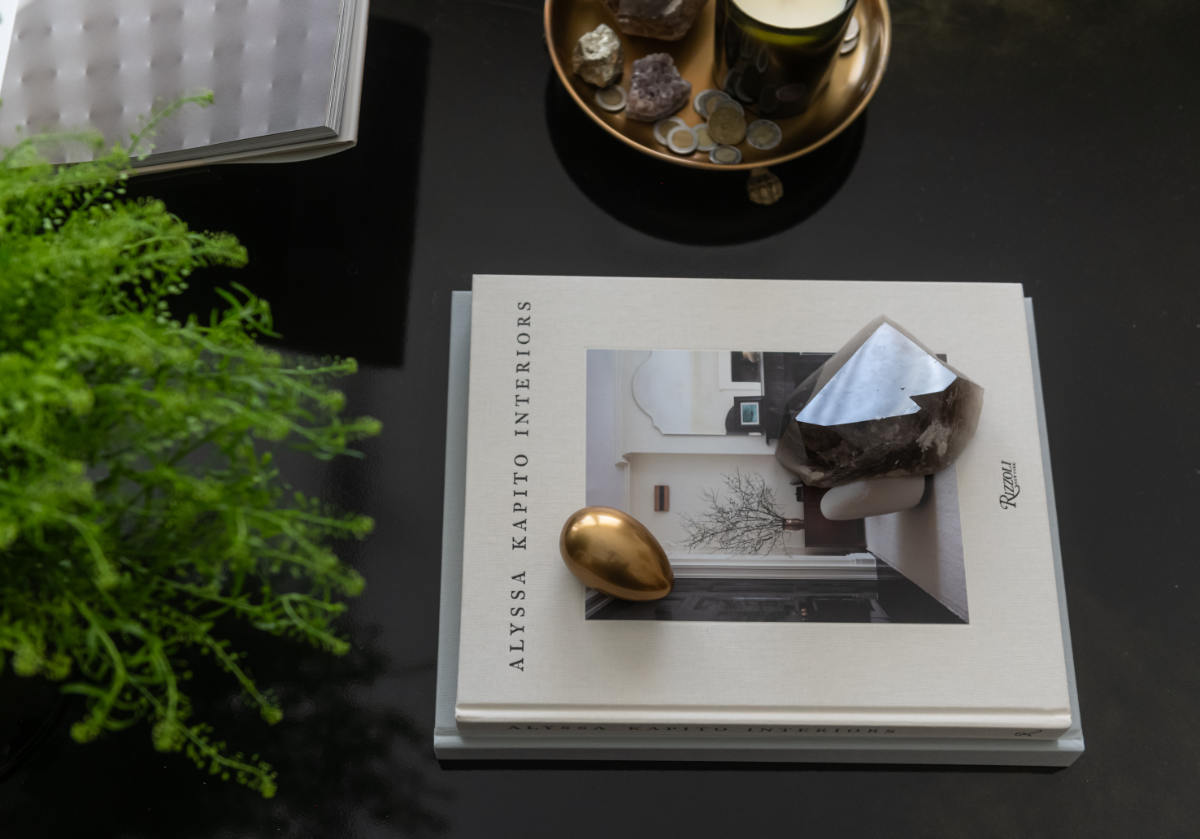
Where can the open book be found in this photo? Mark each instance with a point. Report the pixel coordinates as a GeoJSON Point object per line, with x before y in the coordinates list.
{"type": "Point", "coordinates": [285, 74]}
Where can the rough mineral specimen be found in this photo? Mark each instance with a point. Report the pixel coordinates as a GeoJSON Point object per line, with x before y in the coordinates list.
{"type": "Point", "coordinates": [598, 56]}
{"type": "Point", "coordinates": [656, 89]}
{"type": "Point", "coordinates": [883, 406]}
{"type": "Point", "coordinates": [666, 20]}
{"type": "Point", "coordinates": [764, 187]}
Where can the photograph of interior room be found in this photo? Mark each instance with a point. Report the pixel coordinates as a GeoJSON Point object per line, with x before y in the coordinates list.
{"type": "Point", "coordinates": [683, 440]}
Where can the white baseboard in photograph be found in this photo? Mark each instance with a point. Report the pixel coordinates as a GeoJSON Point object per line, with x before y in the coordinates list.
{"type": "Point", "coordinates": [851, 566]}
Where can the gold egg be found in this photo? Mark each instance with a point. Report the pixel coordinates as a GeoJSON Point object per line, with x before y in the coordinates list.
{"type": "Point", "coordinates": [614, 553]}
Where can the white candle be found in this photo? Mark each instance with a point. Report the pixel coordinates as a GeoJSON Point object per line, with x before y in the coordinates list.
{"type": "Point", "coordinates": [791, 14]}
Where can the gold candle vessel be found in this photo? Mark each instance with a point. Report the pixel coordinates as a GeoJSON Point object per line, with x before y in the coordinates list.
{"type": "Point", "coordinates": [775, 55]}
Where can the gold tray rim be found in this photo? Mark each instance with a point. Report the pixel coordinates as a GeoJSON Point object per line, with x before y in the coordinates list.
{"type": "Point", "coordinates": [885, 49]}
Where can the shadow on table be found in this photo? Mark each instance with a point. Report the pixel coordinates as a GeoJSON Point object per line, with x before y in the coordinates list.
{"type": "Point", "coordinates": [330, 240]}
{"type": "Point", "coordinates": [687, 205]}
{"type": "Point", "coordinates": [30, 711]}
{"type": "Point", "coordinates": [341, 762]}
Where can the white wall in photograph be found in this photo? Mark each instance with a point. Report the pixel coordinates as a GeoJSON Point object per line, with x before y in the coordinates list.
{"type": "Point", "coordinates": [688, 476]}
{"type": "Point", "coordinates": [688, 391]}
{"type": "Point", "coordinates": [606, 467]}
{"type": "Point", "coordinates": [638, 430]}
{"type": "Point", "coordinates": [925, 543]}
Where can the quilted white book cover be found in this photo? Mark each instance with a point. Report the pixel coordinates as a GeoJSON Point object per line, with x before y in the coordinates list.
{"type": "Point", "coordinates": [277, 69]}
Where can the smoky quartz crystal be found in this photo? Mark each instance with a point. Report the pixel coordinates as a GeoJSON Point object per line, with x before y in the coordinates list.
{"type": "Point", "coordinates": [882, 406]}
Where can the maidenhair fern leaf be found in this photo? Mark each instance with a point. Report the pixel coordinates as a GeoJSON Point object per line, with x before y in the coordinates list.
{"type": "Point", "coordinates": [138, 502]}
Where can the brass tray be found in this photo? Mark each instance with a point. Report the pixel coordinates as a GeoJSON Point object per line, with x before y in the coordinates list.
{"type": "Point", "coordinates": [853, 82]}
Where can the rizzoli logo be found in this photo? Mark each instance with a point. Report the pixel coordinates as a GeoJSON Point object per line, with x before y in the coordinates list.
{"type": "Point", "coordinates": [1008, 477]}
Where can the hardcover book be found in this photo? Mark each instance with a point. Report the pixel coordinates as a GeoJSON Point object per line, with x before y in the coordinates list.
{"type": "Point", "coordinates": [939, 625]}
{"type": "Point", "coordinates": [286, 76]}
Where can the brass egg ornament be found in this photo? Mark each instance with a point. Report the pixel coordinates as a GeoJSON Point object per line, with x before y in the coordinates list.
{"type": "Point", "coordinates": [613, 552]}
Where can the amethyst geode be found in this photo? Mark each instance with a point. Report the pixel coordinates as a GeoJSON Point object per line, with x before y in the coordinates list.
{"type": "Point", "coordinates": [666, 20]}
{"type": "Point", "coordinates": [882, 406]}
{"type": "Point", "coordinates": [656, 89]}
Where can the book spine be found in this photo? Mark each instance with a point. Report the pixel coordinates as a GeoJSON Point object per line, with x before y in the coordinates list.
{"type": "Point", "coordinates": [1043, 729]}
{"type": "Point", "coordinates": [450, 744]}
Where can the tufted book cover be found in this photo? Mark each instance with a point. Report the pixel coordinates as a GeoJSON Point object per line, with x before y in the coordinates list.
{"type": "Point", "coordinates": [281, 71]}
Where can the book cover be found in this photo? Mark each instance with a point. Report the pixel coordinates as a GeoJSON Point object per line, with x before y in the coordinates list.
{"type": "Point", "coordinates": [661, 397]}
{"type": "Point", "coordinates": [286, 76]}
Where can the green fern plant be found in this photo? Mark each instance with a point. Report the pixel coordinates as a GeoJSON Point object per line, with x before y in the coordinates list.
{"type": "Point", "coordinates": [139, 501]}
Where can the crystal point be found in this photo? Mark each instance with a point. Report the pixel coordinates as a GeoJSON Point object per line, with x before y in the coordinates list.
{"type": "Point", "coordinates": [882, 406]}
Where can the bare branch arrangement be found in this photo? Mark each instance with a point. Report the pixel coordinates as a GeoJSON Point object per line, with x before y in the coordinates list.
{"type": "Point", "coordinates": [746, 521]}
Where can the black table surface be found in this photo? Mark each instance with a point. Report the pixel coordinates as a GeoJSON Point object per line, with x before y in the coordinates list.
{"type": "Point", "coordinates": [1044, 142]}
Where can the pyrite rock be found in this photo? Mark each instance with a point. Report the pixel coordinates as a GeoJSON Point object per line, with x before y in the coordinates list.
{"type": "Point", "coordinates": [656, 89]}
{"type": "Point", "coordinates": [598, 57]}
{"type": "Point", "coordinates": [666, 20]}
{"type": "Point", "coordinates": [883, 406]}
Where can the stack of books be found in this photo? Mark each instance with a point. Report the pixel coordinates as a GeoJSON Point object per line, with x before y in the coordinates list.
{"type": "Point", "coordinates": [285, 75]}
{"type": "Point", "coordinates": [934, 635]}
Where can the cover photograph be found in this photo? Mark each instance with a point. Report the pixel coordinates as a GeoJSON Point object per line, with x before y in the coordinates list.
{"type": "Point", "coordinates": [683, 440]}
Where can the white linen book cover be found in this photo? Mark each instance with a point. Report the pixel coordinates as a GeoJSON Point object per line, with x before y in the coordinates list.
{"type": "Point", "coordinates": [663, 397]}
